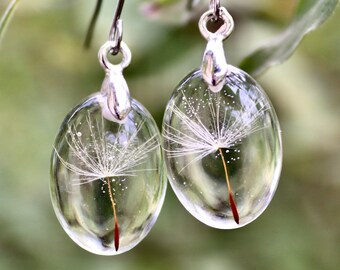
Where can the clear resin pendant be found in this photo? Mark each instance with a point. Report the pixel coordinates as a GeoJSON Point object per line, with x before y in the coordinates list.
{"type": "Point", "coordinates": [223, 149]}
{"type": "Point", "coordinates": [108, 181]}
{"type": "Point", "coordinates": [221, 138]}
{"type": "Point", "coordinates": [108, 176]}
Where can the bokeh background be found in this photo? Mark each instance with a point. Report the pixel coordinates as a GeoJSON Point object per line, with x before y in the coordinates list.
{"type": "Point", "coordinates": [44, 72]}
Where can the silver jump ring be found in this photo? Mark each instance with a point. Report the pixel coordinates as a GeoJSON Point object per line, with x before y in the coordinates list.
{"type": "Point", "coordinates": [225, 30]}
{"type": "Point", "coordinates": [106, 49]}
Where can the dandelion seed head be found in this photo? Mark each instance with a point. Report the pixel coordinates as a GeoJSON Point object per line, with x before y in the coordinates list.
{"type": "Point", "coordinates": [207, 122]}
{"type": "Point", "coordinates": [103, 154]}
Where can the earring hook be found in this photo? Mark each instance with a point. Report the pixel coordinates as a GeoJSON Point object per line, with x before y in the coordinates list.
{"type": "Point", "coordinates": [215, 5]}
{"type": "Point", "coordinates": [116, 32]}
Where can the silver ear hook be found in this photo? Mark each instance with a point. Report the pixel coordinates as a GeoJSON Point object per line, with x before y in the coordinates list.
{"type": "Point", "coordinates": [215, 5]}
{"type": "Point", "coordinates": [214, 65]}
{"type": "Point", "coordinates": [116, 32]}
{"type": "Point", "coordinates": [114, 87]}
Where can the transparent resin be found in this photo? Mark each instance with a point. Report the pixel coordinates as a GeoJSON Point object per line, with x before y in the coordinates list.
{"type": "Point", "coordinates": [107, 178]}
{"type": "Point", "coordinates": [223, 150]}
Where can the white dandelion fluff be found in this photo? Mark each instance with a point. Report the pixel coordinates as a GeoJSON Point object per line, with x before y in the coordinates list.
{"type": "Point", "coordinates": [98, 156]}
{"type": "Point", "coordinates": [227, 126]}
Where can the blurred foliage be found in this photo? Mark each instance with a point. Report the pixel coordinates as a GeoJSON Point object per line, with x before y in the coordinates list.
{"type": "Point", "coordinates": [309, 15]}
{"type": "Point", "coordinates": [44, 72]}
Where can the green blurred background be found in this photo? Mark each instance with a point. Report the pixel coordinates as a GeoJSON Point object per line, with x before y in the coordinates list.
{"type": "Point", "coordinates": [44, 72]}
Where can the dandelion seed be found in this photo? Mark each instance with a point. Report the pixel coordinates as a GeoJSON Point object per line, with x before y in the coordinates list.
{"type": "Point", "coordinates": [226, 128]}
{"type": "Point", "coordinates": [102, 158]}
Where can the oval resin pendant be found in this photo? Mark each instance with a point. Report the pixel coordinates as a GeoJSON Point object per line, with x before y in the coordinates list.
{"type": "Point", "coordinates": [223, 149]}
{"type": "Point", "coordinates": [107, 177]}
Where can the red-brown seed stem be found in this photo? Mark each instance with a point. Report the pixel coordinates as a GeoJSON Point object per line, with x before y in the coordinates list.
{"type": "Point", "coordinates": [234, 208]}
{"type": "Point", "coordinates": [231, 198]}
{"type": "Point", "coordinates": [116, 232]}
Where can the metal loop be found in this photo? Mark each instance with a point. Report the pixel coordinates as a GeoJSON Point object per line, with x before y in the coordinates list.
{"type": "Point", "coordinates": [224, 31]}
{"type": "Point", "coordinates": [106, 49]}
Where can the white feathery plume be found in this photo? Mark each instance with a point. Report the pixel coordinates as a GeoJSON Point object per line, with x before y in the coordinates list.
{"type": "Point", "coordinates": [226, 129]}
{"type": "Point", "coordinates": [100, 158]}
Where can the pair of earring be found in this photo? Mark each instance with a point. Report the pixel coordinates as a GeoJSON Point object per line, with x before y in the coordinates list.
{"type": "Point", "coordinates": [221, 150]}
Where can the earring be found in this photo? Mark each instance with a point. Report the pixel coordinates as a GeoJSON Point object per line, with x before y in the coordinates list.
{"type": "Point", "coordinates": [108, 177]}
{"type": "Point", "coordinates": [221, 137]}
